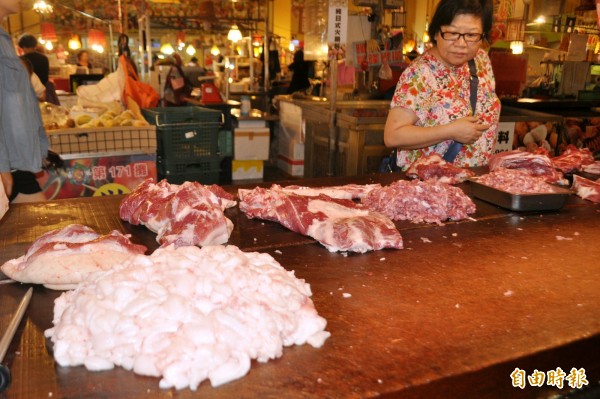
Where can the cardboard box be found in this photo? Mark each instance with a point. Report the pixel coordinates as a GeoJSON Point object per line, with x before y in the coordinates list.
{"type": "Point", "coordinates": [243, 170]}
{"type": "Point", "coordinates": [251, 144]}
{"type": "Point", "coordinates": [291, 158]}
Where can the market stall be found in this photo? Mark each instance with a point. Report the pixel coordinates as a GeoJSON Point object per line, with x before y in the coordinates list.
{"type": "Point", "coordinates": [458, 310]}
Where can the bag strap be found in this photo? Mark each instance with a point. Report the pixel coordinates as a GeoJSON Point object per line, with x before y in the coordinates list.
{"type": "Point", "coordinates": [455, 147]}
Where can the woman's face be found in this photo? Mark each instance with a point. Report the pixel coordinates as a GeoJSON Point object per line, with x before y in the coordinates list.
{"type": "Point", "coordinates": [460, 51]}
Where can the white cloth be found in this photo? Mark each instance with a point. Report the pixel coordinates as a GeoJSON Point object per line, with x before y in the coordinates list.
{"type": "Point", "coordinates": [38, 87]}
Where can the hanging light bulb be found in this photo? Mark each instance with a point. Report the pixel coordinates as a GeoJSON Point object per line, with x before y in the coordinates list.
{"type": "Point", "coordinates": [48, 45]}
{"type": "Point", "coordinates": [214, 50]}
{"type": "Point", "coordinates": [516, 46]}
{"type": "Point", "coordinates": [190, 50]}
{"type": "Point", "coordinates": [74, 43]}
{"type": "Point", "coordinates": [41, 7]}
{"type": "Point", "coordinates": [234, 34]}
{"type": "Point", "coordinates": [167, 49]}
{"type": "Point", "coordinates": [291, 47]}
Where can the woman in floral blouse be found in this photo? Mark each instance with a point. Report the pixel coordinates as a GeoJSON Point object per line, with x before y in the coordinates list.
{"type": "Point", "coordinates": [431, 107]}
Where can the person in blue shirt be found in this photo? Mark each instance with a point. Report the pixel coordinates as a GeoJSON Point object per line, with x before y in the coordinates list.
{"type": "Point", "coordinates": [23, 141]}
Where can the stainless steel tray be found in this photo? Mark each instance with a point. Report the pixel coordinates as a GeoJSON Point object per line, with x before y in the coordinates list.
{"type": "Point", "coordinates": [520, 202]}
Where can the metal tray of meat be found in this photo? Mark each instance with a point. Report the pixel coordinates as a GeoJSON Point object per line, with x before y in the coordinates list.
{"type": "Point", "coordinates": [521, 202]}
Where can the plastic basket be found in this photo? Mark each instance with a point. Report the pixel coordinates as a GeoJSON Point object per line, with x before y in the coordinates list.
{"type": "Point", "coordinates": [185, 142]}
{"type": "Point", "coordinates": [205, 171]}
{"type": "Point", "coordinates": [103, 139]}
{"type": "Point", "coordinates": [225, 143]}
{"type": "Point", "coordinates": [181, 115]}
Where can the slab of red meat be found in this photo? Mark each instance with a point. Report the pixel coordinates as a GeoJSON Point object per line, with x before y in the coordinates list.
{"type": "Point", "coordinates": [420, 201]}
{"type": "Point", "coordinates": [573, 159]}
{"type": "Point", "coordinates": [535, 164]}
{"type": "Point", "coordinates": [347, 191]}
{"type": "Point", "coordinates": [433, 167]}
{"type": "Point", "coordinates": [186, 214]}
{"type": "Point", "coordinates": [516, 181]}
{"type": "Point", "coordinates": [593, 168]}
{"type": "Point", "coordinates": [586, 188]}
{"type": "Point", "coordinates": [61, 259]}
{"type": "Point", "coordinates": [338, 224]}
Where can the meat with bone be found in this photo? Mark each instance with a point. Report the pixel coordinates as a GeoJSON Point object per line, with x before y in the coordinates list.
{"type": "Point", "coordinates": [61, 259]}
{"type": "Point", "coordinates": [186, 315]}
{"type": "Point", "coordinates": [433, 167]}
{"type": "Point", "coordinates": [573, 159]}
{"type": "Point", "coordinates": [186, 214]}
{"type": "Point", "coordinates": [419, 201]}
{"type": "Point", "coordinates": [338, 224]}
{"type": "Point", "coordinates": [586, 188]}
{"type": "Point", "coordinates": [593, 168]}
{"type": "Point", "coordinates": [535, 164]}
{"type": "Point", "coordinates": [516, 181]}
{"type": "Point", "coordinates": [347, 191]}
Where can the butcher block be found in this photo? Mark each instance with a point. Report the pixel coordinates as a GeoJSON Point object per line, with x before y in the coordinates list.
{"type": "Point", "coordinates": [454, 314]}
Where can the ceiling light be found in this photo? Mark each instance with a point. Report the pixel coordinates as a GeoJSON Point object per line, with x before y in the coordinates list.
{"type": "Point", "coordinates": [234, 34]}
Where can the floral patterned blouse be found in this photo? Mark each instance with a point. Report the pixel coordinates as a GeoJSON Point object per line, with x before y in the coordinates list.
{"type": "Point", "coordinates": [439, 94]}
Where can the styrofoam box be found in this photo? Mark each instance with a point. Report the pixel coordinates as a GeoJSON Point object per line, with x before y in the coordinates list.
{"type": "Point", "coordinates": [243, 170]}
{"type": "Point", "coordinates": [251, 144]}
{"type": "Point", "coordinates": [291, 158]}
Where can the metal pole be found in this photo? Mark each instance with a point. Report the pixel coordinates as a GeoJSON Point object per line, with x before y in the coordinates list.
{"type": "Point", "coordinates": [111, 50]}
{"type": "Point", "coordinates": [333, 139]}
{"type": "Point", "coordinates": [266, 47]}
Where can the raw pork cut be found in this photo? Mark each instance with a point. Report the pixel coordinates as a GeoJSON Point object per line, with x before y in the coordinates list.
{"type": "Point", "coordinates": [586, 188]}
{"type": "Point", "coordinates": [593, 168]}
{"type": "Point", "coordinates": [515, 181]}
{"type": "Point", "coordinates": [433, 167]}
{"type": "Point", "coordinates": [186, 214]}
{"type": "Point", "coordinates": [535, 164]}
{"type": "Point", "coordinates": [338, 224]}
{"type": "Point", "coordinates": [186, 314]}
{"type": "Point", "coordinates": [419, 201]}
{"type": "Point", "coordinates": [348, 191]}
{"type": "Point", "coordinates": [573, 159]}
{"type": "Point", "coordinates": [61, 259]}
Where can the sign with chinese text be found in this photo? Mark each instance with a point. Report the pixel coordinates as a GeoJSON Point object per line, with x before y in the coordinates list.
{"type": "Point", "coordinates": [98, 176]}
{"type": "Point", "coordinates": [337, 31]}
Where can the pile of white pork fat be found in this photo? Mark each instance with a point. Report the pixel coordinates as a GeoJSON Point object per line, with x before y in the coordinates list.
{"type": "Point", "coordinates": [186, 314]}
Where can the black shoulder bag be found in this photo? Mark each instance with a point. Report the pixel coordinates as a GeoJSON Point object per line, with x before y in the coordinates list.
{"type": "Point", "coordinates": [390, 164]}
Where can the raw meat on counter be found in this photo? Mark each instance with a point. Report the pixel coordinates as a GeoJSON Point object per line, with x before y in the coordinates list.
{"type": "Point", "coordinates": [434, 168]}
{"type": "Point", "coordinates": [347, 191]}
{"type": "Point", "coordinates": [338, 224]}
{"type": "Point", "coordinates": [535, 164]}
{"type": "Point", "coordinates": [61, 259]}
{"type": "Point", "coordinates": [586, 188]}
{"type": "Point", "coordinates": [516, 181]}
{"type": "Point", "coordinates": [593, 168]}
{"type": "Point", "coordinates": [186, 214]}
{"type": "Point", "coordinates": [419, 201]}
{"type": "Point", "coordinates": [186, 315]}
{"type": "Point", "coordinates": [573, 159]}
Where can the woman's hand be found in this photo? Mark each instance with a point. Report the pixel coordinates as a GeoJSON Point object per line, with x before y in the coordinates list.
{"type": "Point", "coordinates": [467, 130]}
{"type": "Point", "coordinates": [7, 181]}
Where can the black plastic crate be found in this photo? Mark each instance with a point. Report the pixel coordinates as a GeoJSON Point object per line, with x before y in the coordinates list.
{"type": "Point", "coordinates": [189, 141]}
{"type": "Point", "coordinates": [203, 170]}
{"type": "Point", "coordinates": [167, 116]}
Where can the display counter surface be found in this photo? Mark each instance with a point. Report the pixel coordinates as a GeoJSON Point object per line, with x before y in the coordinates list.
{"type": "Point", "coordinates": [552, 105]}
{"type": "Point", "coordinates": [451, 315]}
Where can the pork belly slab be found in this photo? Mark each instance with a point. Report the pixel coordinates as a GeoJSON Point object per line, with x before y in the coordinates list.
{"type": "Point", "coordinates": [535, 164]}
{"type": "Point", "coordinates": [61, 259]}
{"type": "Point", "coordinates": [186, 315]}
{"type": "Point", "coordinates": [338, 224]}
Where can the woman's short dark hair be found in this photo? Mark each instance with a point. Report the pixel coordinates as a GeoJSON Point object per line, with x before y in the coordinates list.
{"type": "Point", "coordinates": [27, 41]}
{"type": "Point", "coordinates": [447, 10]}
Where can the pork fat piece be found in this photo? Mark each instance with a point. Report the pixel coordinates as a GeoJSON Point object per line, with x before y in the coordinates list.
{"type": "Point", "coordinates": [419, 201]}
{"type": "Point", "coordinates": [535, 164]}
{"type": "Point", "coordinates": [433, 167]}
{"type": "Point", "coordinates": [347, 191]}
{"type": "Point", "coordinates": [516, 181]}
{"type": "Point", "coordinates": [61, 259]}
{"type": "Point", "coordinates": [573, 159]}
{"type": "Point", "coordinates": [338, 224]}
{"type": "Point", "coordinates": [186, 315]}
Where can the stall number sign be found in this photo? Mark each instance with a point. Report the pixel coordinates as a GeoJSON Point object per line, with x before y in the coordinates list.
{"type": "Point", "coordinates": [337, 28]}
{"type": "Point", "coordinates": [504, 137]}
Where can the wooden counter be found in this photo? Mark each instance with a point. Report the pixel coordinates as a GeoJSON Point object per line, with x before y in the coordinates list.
{"type": "Point", "coordinates": [451, 315]}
